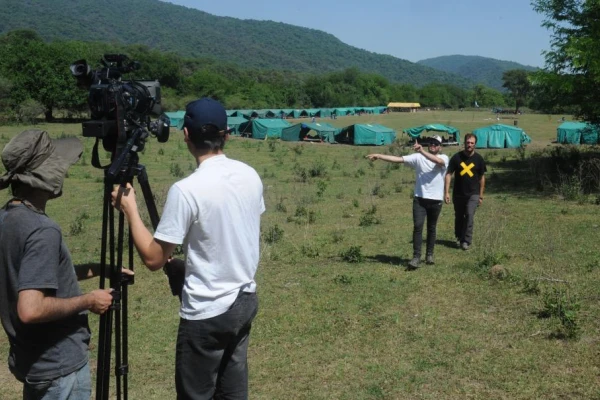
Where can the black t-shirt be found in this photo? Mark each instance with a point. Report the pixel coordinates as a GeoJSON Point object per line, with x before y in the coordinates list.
{"type": "Point", "coordinates": [467, 172]}
{"type": "Point", "coordinates": [33, 255]}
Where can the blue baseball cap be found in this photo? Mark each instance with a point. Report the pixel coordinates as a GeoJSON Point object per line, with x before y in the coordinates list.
{"type": "Point", "coordinates": [204, 111]}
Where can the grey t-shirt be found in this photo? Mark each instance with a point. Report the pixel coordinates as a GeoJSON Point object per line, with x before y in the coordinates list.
{"type": "Point", "coordinates": [33, 255]}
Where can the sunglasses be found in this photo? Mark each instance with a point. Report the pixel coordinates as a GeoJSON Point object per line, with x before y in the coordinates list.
{"type": "Point", "coordinates": [434, 144]}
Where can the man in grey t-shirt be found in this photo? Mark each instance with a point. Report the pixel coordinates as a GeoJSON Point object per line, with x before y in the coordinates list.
{"type": "Point", "coordinates": [42, 309]}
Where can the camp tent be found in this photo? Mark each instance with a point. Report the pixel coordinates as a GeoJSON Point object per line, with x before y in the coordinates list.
{"type": "Point", "coordinates": [235, 123]}
{"type": "Point", "coordinates": [261, 128]}
{"type": "Point", "coordinates": [310, 130]}
{"type": "Point", "coordinates": [500, 136]}
{"type": "Point", "coordinates": [571, 132]}
{"type": "Point", "coordinates": [176, 118]}
{"type": "Point", "coordinates": [452, 132]}
{"type": "Point", "coordinates": [366, 134]}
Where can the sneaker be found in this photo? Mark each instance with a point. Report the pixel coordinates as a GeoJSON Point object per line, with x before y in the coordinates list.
{"type": "Point", "coordinates": [464, 246]}
{"type": "Point", "coordinates": [458, 243]}
{"type": "Point", "coordinates": [429, 259]}
{"type": "Point", "coordinates": [414, 263]}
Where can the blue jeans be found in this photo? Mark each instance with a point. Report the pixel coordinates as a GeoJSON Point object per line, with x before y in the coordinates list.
{"type": "Point", "coordinates": [211, 357]}
{"type": "Point", "coordinates": [464, 217]}
{"type": "Point", "coordinates": [430, 209]}
{"type": "Point", "coordinates": [75, 386]}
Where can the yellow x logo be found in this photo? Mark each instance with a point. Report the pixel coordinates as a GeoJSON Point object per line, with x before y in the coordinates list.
{"type": "Point", "coordinates": [466, 169]}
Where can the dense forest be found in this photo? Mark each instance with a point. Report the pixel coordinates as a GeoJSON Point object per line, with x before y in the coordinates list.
{"type": "Point", "coordinates": [192, 33]}
{"type": "Point", "coordinates": [35, 78]}
{"type": "Point", "coordinates": [482, 70]}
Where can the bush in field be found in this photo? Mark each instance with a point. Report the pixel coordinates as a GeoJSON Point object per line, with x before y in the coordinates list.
{"type": "Point", "coordinates": [273, 235]}
{"type": "Point", "coordinates": [352, 254]}
{"type": "Point", "coordinates": [318, 169]}
{"type": "Point", "coordinates": [369, 218]}
{"type": "Point", "coordinates": [559, 304]}
{"type": "Point", "coordinates": [77, 226]}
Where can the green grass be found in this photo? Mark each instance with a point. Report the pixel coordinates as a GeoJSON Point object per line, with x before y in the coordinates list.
{"type": "Point", "coordinates": [329, 328]}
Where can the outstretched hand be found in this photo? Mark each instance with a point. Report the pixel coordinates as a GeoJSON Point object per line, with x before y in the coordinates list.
{"type": "Point", "coordinates": [417, 147]}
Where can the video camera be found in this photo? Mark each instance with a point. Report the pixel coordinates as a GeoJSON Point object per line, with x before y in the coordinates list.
{"type": "Point", "coordinates": [120, 109]}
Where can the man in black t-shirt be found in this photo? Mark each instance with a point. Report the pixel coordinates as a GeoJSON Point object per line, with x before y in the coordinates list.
{"type": "Point", "coordinates": [42, 309]}
{"type": "Point", "coordinates": [469, 170]}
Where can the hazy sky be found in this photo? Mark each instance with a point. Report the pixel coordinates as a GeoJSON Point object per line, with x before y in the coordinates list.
{"type": "Point", "coordinates": [409, 29]}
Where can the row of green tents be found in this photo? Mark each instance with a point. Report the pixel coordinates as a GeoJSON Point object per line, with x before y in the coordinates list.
{"type": "Point", "coordinates": [357, 134]}
{"type": "Point", "coordinates": [283, 113]}
{"type": "Point", "coordinates": [498, 136]}
{"type": "Point", "coordinates": [305, 112]}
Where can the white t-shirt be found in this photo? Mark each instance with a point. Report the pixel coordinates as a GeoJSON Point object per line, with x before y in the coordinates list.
{"type": "Point", "coordinates": [430, 176]}
{"type": "Point", "coordinates": [215, 213]}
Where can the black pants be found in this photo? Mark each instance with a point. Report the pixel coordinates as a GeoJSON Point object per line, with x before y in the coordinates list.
{"type": "Point", "coordinates": [211, 356]}
{"type": "Point", "coordinates": [430, 209]}
{"type": "Point", "coordinates": [464, 217]}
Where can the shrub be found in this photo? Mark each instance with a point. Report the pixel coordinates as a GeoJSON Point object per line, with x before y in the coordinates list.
{"type": "Point", "coordinates": [29, 110]}
{"type": "Point", "coordinates": [558, 303]}
{"type": "Point", "coordinates": [352, 254]}
{"type": "Point", "coordinates": [273, 235]}
{"type": "Point", "coordinates": [77, 226]}
{"type": "Point", "coordinates": [176, 170]}
{"type": "Point", "coordinates": [318, 169]}
{"type": "Point", "coordinates": [369, 218]}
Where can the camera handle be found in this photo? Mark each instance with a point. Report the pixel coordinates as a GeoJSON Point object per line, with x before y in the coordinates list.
{"type": "Point", "coordinates": [117, 314]}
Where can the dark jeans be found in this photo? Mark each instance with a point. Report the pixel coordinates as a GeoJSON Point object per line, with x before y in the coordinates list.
{"type": "Point", "coordinates": [464, 217]}
{"type": "Point", "coordinates": [211, 357]}
{"type": "Point", "coordinates": [425, 208]}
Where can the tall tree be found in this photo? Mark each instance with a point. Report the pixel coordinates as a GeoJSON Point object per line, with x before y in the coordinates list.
{"type": "Point", "coordinates": [518, 84]}
{"type": "Point", "coordinates": [572, 73]}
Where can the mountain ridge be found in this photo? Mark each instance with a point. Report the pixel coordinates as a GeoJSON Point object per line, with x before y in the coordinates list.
{"type": "Point", "coordinates": [197, 34]}
{"type": "Point", "coordinates": [479, 69]}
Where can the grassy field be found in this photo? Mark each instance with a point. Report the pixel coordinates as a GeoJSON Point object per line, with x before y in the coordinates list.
{"type": "Point", "coordinates": [340, 317]}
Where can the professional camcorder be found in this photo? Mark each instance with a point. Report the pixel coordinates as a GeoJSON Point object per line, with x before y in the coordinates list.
{"type": "Point", "coordinates": [120, 109]}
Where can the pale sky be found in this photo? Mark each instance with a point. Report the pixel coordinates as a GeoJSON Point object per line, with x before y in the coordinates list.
{"type": "Point", "coordinates": [409, 29]}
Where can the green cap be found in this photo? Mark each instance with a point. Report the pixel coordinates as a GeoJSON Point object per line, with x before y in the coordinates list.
{"type": "Point", "coordinates": [33, 159]}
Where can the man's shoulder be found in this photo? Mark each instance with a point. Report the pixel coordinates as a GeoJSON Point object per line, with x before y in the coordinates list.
{"type": "Point", "coordinates": [27, 218]}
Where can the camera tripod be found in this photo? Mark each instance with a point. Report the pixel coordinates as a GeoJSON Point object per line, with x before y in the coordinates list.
{"type": "Point", "coordinates": [121, 171]}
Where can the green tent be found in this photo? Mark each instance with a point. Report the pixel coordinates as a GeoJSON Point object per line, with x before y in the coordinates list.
{"type": "Point", "coordinates": [342, 111]}
{"type": "Point", "coordinates": [176, 118]}
{"type": "Point", "coordinates": [310, 131]}
{"type": "Point", "coordinates": [366, 134]}
{"type": "Point", "coordinates": [262, 128]}
{"type": "Point", "coordinates": [500, 136]}
{"type": "Point", "coordinates": [452, 132]}
{"type": "Point", "coordinates": [571, 132]}
{"type": "Point", "coordinates": [235, 123]}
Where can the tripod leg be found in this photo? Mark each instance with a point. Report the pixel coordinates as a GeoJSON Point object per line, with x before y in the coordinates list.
{"type": "Point", "coordinates": [105, 327]}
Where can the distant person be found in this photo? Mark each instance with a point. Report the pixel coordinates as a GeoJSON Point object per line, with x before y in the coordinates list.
{"type": "Point", "coordinates": [43, 311]}
{"type": "Point", "coordinates": [430, 167]}
{"type": "Point", "coordinates": [469, 171]}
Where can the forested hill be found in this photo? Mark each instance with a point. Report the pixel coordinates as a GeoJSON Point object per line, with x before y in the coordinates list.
{"type": "Point", "coordinates": [487, 71]}
{"type": "Point", "coordinates": [192, 33]}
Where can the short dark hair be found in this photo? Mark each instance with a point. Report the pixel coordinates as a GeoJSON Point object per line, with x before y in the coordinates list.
{"type": "Point", "coordinates": [208, 138]}
{"type": "Point", "coordinates": [470, 135]}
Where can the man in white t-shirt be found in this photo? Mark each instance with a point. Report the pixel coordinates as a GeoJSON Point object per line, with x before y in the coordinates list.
{"type": "Point", "coordinates": [214, 214]}
{"type": "Point", "coordinates": [430, 168]}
